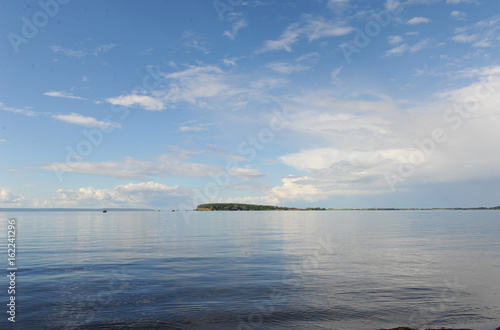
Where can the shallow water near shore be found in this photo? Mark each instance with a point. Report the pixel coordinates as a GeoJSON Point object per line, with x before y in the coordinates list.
{"type": "Point", "coordinates": [256, 270]}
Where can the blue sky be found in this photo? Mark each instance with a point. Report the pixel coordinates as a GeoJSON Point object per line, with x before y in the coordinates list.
{"type": "Point", "coordinates": [168, 104]}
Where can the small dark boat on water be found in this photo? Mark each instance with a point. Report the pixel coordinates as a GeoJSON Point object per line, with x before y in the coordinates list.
{"type": "Point", "coordinates": [104, 211]}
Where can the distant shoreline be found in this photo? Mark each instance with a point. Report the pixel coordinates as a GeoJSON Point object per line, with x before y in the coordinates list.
{"type": "Point", "coordinates": [253, 207]}
{"type": "Point", "coordinates": [273, 208]}
{"type": "Point", "coordinates": [32, 209]}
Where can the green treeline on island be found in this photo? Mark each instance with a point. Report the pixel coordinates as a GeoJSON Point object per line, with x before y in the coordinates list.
{"type": "Point", "coordinates": [253, 207]}
{"type": "Point", "coordinates": [238, 207]}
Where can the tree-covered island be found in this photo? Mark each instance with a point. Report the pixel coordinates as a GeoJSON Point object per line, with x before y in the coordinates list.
{"type": "Point", "coordinates": [238, 207]}
{"type": "Point", "coordinates": [253, 207]}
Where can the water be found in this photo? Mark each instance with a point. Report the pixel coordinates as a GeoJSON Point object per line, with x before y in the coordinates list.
{"type": "Point", "coordinates": [255, 270]}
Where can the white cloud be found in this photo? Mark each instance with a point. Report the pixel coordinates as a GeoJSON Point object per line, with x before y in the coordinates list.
{"type": "Point", "coordinates": [318, 27]}
{"type": "Point", "coordinates": [247, 173]}
{"type": "Point", "coordinates": [419, 46]}
{"type": "Point", "coordinates": [64, 94]}
{"type": "Point", "coordinates": [197, 128]}
{"type": "Point", "coordinates": [230, 61]}
{"type": "Point", "coordinates": [268, 83]}
{"type": "Point", "coordinates": [336, 3]}
{"type": "Point", "coordinates": [195, 41]}
{"type": "Point", "coordinates": [459, 15]}
{"type": "Point", "coordinates": [129, 195]}
{"type": "Point", "coordinates": [335, 73]}
{"type": "Point", "coordinates": [405, 48]}
{"type": "Point", "coordinates": [143, 101]}
{"type": "Point", "coordinates": [9, 198]}
{"type": "Point", "coordinates": [67, 51]}
{"type": "Point", "coordinates": [82, 52]}
{"type": "Point", "coordinates": [297, 189]}
{"type": "Point", "coordinates": [418, 20]}
{"type": "Point", "coordinates": [77, 119]}
{"type": "Point", "coordinates": [397, 51]}
{"type": "Point", "coordinates": [308, 57]}
{"type": "Point", "coordinates": [165, 165]}
{"type": "Point", "coordinates": [394, 40]}
{"type": "Point", "coordinates": [311, 28]}
{"type": "Point", "coordinates": [285, 42]}
{"type": "Point", "coordinates": [147, 51]}
{"type": "Point", "coordinates": [392, 5]}
{"type": "Point", "coordinates": [463, 38]}
{"type": "Point", "coordinates": [286, 68]}
{"type": "Point", "coordinates": [204, 86]}
{"type": "Point", "coordinates": [102, 49]}
{"type": "Point", "coordinates": [238, 25]}
{"type": "Point", "coordinates": [456, 2]}
{"type": "Point", "coordinates": [3, 141]}
{"type": "Point", "coordinates": [364, 141]}
{"type": "Point", "coordinates": [196, 85]}
{"type": "Point", "coordinates": [25, 112]}
{"type": "Point", "coordinates": [481, 34]}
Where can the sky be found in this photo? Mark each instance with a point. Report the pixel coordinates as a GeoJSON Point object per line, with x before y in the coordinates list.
{"type": "Point", "coordinates": [310, 103]}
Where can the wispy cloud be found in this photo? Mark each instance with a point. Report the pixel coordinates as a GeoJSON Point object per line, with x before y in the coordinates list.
{"type": "Point", "coordinates": [102, 49]}
{"type": "Point", "coordinates": [63, 94]}
{"type": "Point", "coordinates": [195, 41]}
{"type": "Point", "coordinates": [8, 197]}
{"type": "Point", "coordinates": [143, 101]}
{"type": "Point", "coordinates": [287, 68]}
{"type": "Point", "coordinates": [312, 28]}
{"type": "Point", "coordinates": [418, 20]}
{"type": "Point", "coordinates": [25, 111]}
{"type": "Point", "coordinates": [131, 194]}
{"type": "Point", "coordinates": [165, 165]}
{"type": "Point", "coordinates": [82, 52]}
{"type": "Point", "coordinates": [338, 5]}
{"type": "Point", "coordinates": [230, 61]}
{"type": "Point", "coordinates": [238, 25]}
{"type": "Point", "coordinates": [196, 85]}
{"type": "Point", "coordinates": [147, 51]}
{"type": "Point", "coordinates": [465, 38]}
{"type": "Point", "coordinates": [394, 40]}
{"type": "Point", "coordinates": [345, 164]}
{"type": "Point", "coordinates": [456, 2]}
{"type": "Point", "coordinates": [397, 51]}
{"type": "Point", "coordinates": [77, 119]}
{"type": "Point", "coordinates": [335, 73]}
{"type": "Point", "coordinates": [193, 128]}
{"type": "Point", "coordinates": [68, 52]}
{"type": "Point", "coordinates": [481, 34]}
{"type": "Point", "coordinates": [458, 15]}
{"type": "Point", "coordinates": [205, 86]}
{"type": "Point", "coordinates": [129, 168]}
{"type": "Point", "coordinates": [405, 48]}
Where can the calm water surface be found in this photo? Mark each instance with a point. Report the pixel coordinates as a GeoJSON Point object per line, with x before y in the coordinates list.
{"type": "Point", "coordinates": [255, 270]}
